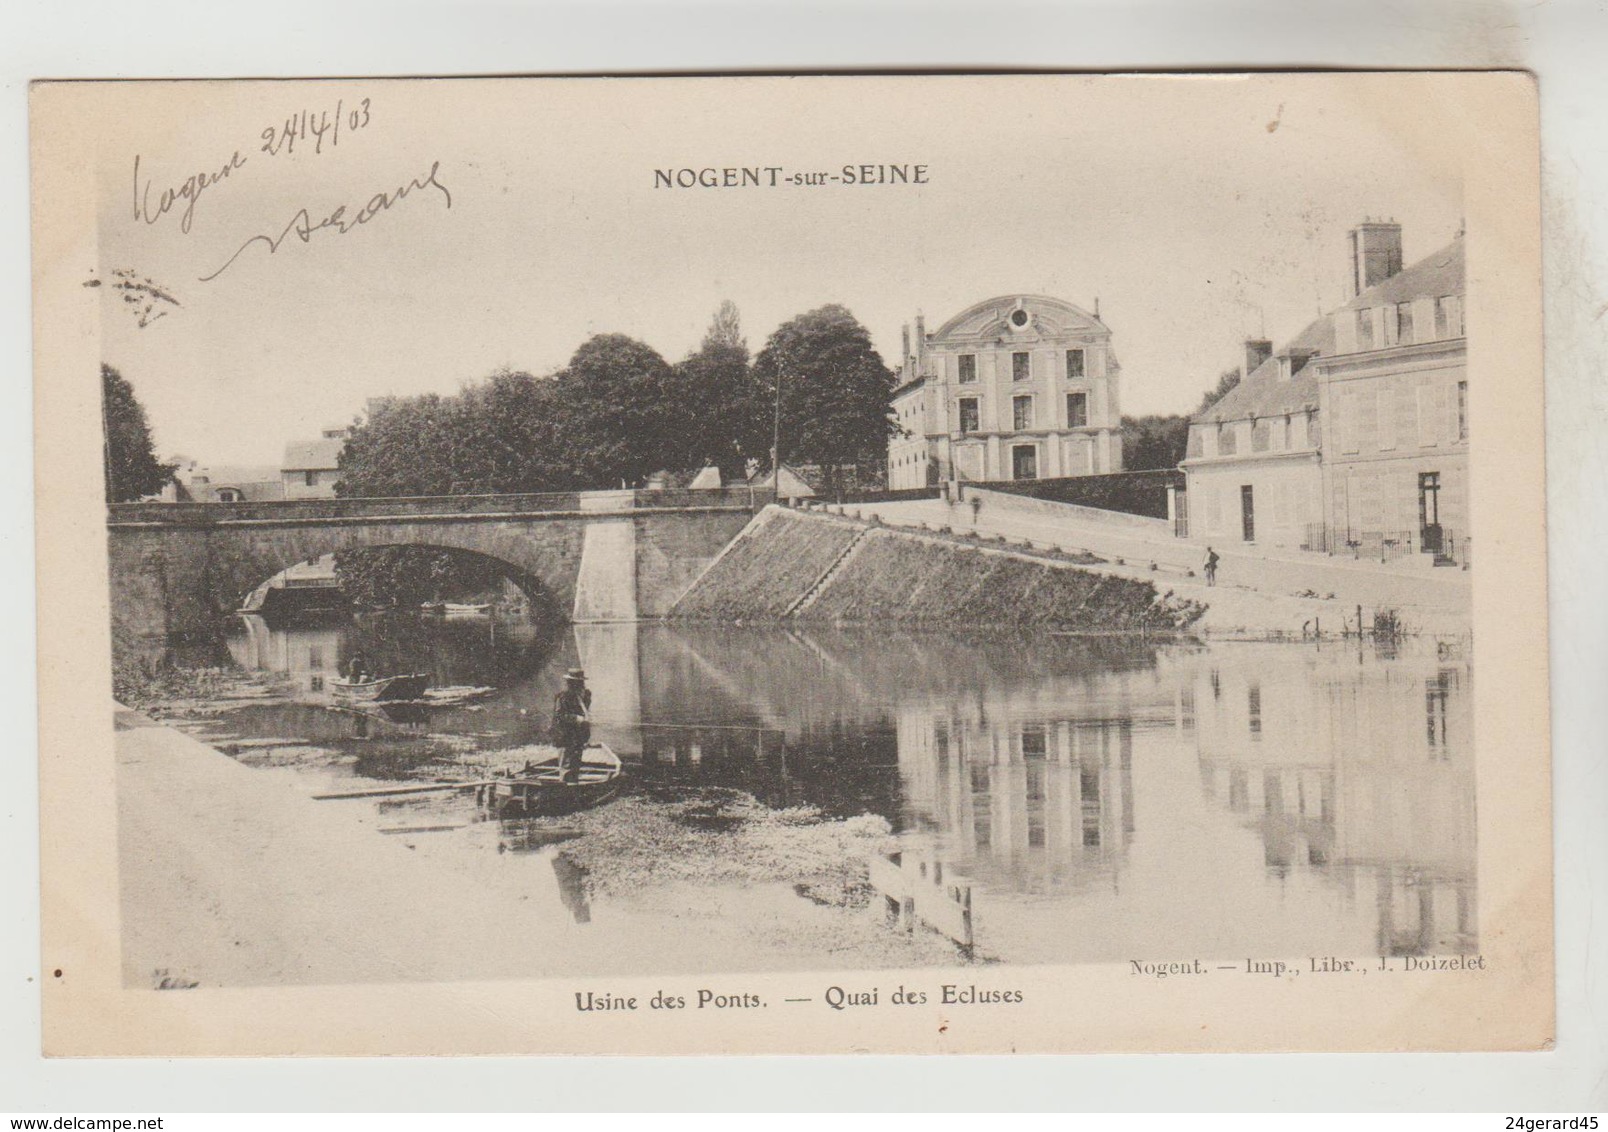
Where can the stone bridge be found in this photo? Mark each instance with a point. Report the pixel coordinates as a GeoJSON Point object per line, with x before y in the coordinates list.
{"type": "Point", "coordinates": [180, 568]}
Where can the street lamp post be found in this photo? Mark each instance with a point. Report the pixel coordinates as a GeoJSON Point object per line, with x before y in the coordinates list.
{"type": "Point", "coordinates": [776, 434]}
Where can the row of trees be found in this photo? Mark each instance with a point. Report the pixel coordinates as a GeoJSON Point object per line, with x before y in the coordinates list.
{"type": "Point", "coordinates": [1161, 440]}
{"type": "Point", "coordinates": [618, 412]}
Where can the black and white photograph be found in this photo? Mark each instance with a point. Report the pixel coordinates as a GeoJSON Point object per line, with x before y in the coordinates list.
{"type": "Point", "coordinates": [806, 561]}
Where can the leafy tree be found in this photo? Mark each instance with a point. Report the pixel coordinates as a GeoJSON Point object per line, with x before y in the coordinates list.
{"type": "Point", "coordinates": [132, 469]}
{"type": "Point", "coordinates": [411, 575]}
{"type": "Point", "coordinates": [1154, 441]}
{"type": "Point", "coordinates": [726, 329]}
{"type": "Point", "coordinates": [498, 436]}
{"type": "Point", "coordinates": [1226, 381]}
{"type": "Point", "coordinates": [716, 413]}
{"type": "Point", "coordinates": [616, 413]}
{"type": "Point", "coordinates": [836, 392]}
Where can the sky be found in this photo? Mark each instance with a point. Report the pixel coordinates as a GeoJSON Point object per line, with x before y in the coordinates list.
{"type": "Point", "coordinates": [1198, 211]}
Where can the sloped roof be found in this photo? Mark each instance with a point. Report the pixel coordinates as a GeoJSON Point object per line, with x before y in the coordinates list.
{"type": "Point", "coordinates": [235, 475]}
{"type": "Point", "coordinates": [795, 482]}
{"type": "Point", "coordinates": [313, 455]}
{"type": "Point", "coordinates": [1437, 274]}
{"type": "Point", "coordinates": [1263, 393]}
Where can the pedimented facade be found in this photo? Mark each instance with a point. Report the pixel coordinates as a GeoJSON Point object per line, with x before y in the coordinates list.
{"type": "Point", "coordinates": [1015, 387]}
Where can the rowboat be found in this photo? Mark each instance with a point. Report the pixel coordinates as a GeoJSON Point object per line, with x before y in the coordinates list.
{"type": "Point", "coordinates": [455, 608]}
{"type": "Point", "coordinates": [538, 788]}
{"type": "Point", "coordinates": [386, 688]}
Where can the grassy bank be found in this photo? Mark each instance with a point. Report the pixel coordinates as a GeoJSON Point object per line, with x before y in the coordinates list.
{"type": "Point", "coordinates": [932, 582]}
{"type": "Point", "coordinates": [905, 577]}
{"type": "Point", "coordinates": [771, 565]}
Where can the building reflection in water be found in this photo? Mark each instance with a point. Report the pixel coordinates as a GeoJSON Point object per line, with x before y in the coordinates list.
{"type": "Point", "coordinates": [308, 652]}
{"type": "Point", "coordinates": [1051, 799]}
{"type": "Point", "coordinates": [1359, 772]}
{"type": "Point", "coordinates": [1353, 774]}
{"type": "Point", "coordinates": [1033, 804]}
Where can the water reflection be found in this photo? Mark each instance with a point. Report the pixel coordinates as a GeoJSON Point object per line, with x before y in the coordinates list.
{"type": "Point", "coordinates": [1054, 799]}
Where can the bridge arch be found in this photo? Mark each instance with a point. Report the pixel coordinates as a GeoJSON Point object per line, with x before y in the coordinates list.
{"type": "Point", "coordinates": [540, 597]}
{"type": "Point", "coordinates": [190, 580]}
{"type": "Point", "coordinates": [182, 569]}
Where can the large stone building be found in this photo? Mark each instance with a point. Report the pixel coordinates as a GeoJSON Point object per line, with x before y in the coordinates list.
{"type": "Point", "coordinates": [1395, 394]}
{"type": "Point", "coordinates": [1352, 438]}
{"type": "Point", "coordinates": [1014, 387]}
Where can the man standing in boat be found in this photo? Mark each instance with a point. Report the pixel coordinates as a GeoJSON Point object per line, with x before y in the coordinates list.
{"type": "Point", "coordinates": [572, 722]}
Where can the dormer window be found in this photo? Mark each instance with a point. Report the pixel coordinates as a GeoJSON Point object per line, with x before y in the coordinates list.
{"type": "Point", "coordinates": [1404, 323]}
{"type": "Point", "coordinates": [1074, 363]}
{"type": "Point", "coordinates": [1021, 365]}
{"type": "Point", "coordinates": [1449, 316]}
{"type": "Point", "coordinates": [968, 368]}
{"type": "Point", "coordinates": [1365, 329]}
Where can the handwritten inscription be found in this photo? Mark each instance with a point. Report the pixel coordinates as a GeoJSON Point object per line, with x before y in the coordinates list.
{"type": "Point", "coordinates": [300, 126]}
{"type": "Point", "coordinates": [187, 193]}
{"type": "Point", "coordinates": [341, 221]}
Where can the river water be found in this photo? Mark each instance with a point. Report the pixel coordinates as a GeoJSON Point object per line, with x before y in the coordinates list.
{"type": "Point", "coordinates": [889, 798]}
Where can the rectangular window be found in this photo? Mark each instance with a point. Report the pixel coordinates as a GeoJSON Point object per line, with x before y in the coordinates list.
{"type": "Point", "coordinates": [1462, 410]}
{"type": "Point", "coordinates": [968, 368]}
{"type": "Point", "coordinates": [1077, 410]}
{"type": "Point", "coordinates": [1021, 366]}
{"type": "Point", "coordinates": [1404, 323]}
{"type": "Point", "coordinates": [1388, 319]}
{"type": "Point", "coordinates": [1022, 412]}
{"type": "Point", "coordinates": [968, 414]}
{"type": "Point", "coordinates": [1387, 420]}
{"type": "Point", "coordinates": [1365, 330]}
{"type": "Point", "coordinates": [1346, 420]}
{"type": "Point", "coordinates": [1226, 440]}
{"type": "Point", "coordinates": [1427, 437]}
{"type": "Point", "coordinates": [1074, 363]}
{"type": "Point", "coordinates": [310, 479]}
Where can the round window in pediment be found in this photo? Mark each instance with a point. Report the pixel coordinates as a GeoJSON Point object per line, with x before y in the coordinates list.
{"type": "Point", "coordinates": [1018, 318]}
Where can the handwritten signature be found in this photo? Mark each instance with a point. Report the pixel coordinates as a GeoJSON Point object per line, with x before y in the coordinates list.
{"type": "Point", "coordinates": [302, 225]}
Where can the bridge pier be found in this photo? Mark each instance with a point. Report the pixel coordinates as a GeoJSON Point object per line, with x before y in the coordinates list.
{"type": "Point", "coordinates": [606, 587]}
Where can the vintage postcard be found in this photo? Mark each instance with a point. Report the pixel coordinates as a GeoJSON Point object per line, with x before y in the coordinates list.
{"type": "Point", "coordinates": [792, 565]}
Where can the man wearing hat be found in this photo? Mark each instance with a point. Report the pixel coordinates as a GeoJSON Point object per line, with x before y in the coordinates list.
{"type": "Point", "coordinates": [572, 722]}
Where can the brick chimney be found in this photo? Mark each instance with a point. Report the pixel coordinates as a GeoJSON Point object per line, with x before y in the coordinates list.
{"type": "Point", "coordinates": [1375, 254]}
{"type": "Point", "coordinates": [1257, 351]}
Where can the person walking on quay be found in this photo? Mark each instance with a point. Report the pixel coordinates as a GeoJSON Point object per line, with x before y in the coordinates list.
{"type": "Point", "coordinates": [572, 722]}
{"type": "Point", "coordinates": [1211, 566]}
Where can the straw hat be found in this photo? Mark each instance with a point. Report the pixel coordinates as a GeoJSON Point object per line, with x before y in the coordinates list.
{"type": "Point", "coordinates": [576, 675]}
